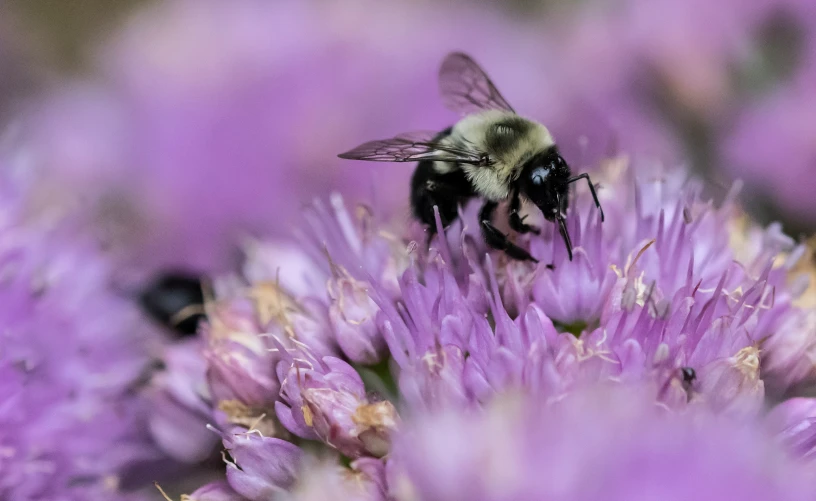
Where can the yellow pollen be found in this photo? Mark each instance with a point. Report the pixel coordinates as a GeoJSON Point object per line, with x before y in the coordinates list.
{"type": "Point", "coordinates": [252, 418]}
{"type": "Point", "coordinates": [307, 416]}
{"type": "Point", "coordinates": [272, 303]}
{"type": "Point", "coordinates": [381, 415]}
{"type": "Point", "coordinates": [747, 361]}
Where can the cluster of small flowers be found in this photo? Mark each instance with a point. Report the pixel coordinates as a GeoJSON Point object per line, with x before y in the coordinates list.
{"type": "Point", "coordinates": [72, 353]}
{"type": "Point", "coordinates": [356, 361]}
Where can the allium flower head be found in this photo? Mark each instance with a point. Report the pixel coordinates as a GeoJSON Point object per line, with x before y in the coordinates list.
{"type": "Point", "coordinates": [72, 353]}
{"type": "Point", "coordinates": [674, 298]}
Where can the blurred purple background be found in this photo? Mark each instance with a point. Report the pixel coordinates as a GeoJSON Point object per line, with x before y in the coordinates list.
{"type": "Point", "coordinates": [180, 127]}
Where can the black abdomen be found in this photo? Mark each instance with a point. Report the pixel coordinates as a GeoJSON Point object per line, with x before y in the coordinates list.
{"type": "Point", "coordinates": [430, 188]}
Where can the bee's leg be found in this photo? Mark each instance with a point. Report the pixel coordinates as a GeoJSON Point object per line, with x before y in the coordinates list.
{"type": "Point", "coordinates": [431, 189]}
{"type": "Point", "coordinates": [498, 240]}
{"type": "Point", "coordinates": [591, 190]}
{"type": "Point", "coordinates": [448, 212]}
{"type": "Point", "coordinates": [516, 221]}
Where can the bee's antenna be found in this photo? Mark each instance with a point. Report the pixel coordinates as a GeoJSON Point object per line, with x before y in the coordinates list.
{"type": "Point", "coordinates": [562, 226]}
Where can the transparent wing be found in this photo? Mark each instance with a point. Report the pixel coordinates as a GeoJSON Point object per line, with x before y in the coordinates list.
{"type": "Point", "coordinates": [413, 147]}
{"type": "Point", "coordinates": [466, 88]}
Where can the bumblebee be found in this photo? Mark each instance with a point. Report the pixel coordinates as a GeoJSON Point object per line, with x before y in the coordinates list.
{"type": "Point", "coordinates": [492, 153]}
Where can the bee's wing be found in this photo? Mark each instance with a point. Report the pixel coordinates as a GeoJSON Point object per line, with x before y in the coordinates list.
{"type": "Point", "coordinates": [413, 147]}
{"type": "Point", "coordinates": [466, 88]}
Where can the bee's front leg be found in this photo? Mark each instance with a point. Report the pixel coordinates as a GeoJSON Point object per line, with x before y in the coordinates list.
{"type": "Point", "coordinates": [515, 220]}
{"type": "Point", "coordinates": [498, 240]}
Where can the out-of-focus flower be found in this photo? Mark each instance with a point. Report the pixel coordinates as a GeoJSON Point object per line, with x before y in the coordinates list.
{"type": "Point", "coordinates": [72, 354]}
{"type": "Point", "coordinates": [773, 147]}
{"type": "Point", "coordinates": [792, 356]}
{"type": "Point", "coordinates": [20, 70]}
{"type": "Point", "coordinates": [179, 398]}
{"type": "Point", "coordinates": [602, 444]}
{"type": "Point", "coordinates": [737, 88]}
{"type": "Point", "coordinates": [794, 422]}
{"type": "Point", "coordinates": [216, 491]}
{"type": "Point", "coordinates": [694, 62]}
{"type": "Point", "coordinates": [364, 480]}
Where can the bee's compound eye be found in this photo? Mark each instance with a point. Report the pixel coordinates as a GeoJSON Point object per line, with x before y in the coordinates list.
{"type": "Point", "coordinates": [539, 175]}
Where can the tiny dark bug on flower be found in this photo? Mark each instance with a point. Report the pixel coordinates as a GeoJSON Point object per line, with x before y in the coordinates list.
{"type": "Point", "coordinates": [174, 300]}
{"type": "Point", "coordinates": [492, 153]}
{"type": "Point", "coordinates": [689, 377]}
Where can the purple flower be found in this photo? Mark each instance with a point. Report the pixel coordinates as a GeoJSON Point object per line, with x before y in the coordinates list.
{"type": "Point", "coordinates": [237, 372]}
{"type": "Point", "coordinates": [72, 423]}
{"type": "Point", "coordinates": [645, 361]}
{"type": "Point", "coordinates": [607, 443]}
{"type": "Point", "coordinates": [429, 337]}
{"type": "Point", "coordinates": [352, 316]}
{"type": "Point", "coordinates": [240, 366]}
{"type": "Point", "coordinates": [363, 481]}
{"type": "Point", "coordinates": [241, 355]}
{"type": "Point", "coordinates": [780, 166]}
{"type": "Point", "coordinates": [677, 299]}
{"type": "Point", "coordinates": [261, 467]}
{"type": "Point", "coordinates": [794, 422]}
{"type": "Point", "coordinates": [326, 400]}
{"type": "Point", "coordinates": [731, 85]}
{"type": "Point", "coordinates": [651, 319]}
{"type": "Point", "coordinates": [215, 491]}
{"type": "Point", "coordinates": [180, 399]}
{"type": "Point", "coordinates": [687, 318]}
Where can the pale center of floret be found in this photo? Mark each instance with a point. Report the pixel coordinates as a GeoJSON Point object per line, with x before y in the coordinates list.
{"type": "Point", "coordinates": [747, 362]}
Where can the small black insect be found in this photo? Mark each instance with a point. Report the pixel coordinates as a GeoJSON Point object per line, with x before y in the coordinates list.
{"type": "Point", "coordinates": [174, 300]}
{"type": "Point", "coordinates": [689, 377]}
{"type": "Point", "coordinates": [491, 153]}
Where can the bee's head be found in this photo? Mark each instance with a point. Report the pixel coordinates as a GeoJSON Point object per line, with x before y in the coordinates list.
{"type": "Point", "coordinates": [543, 180]}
